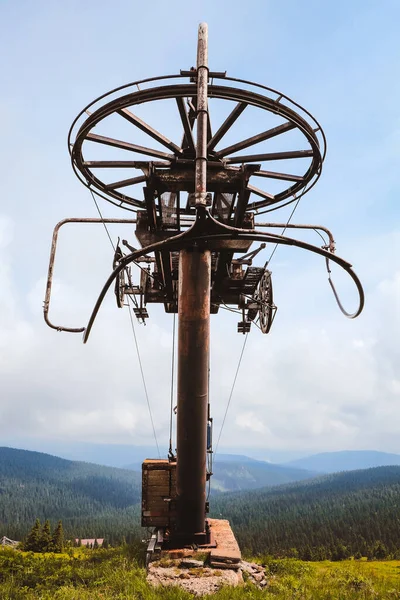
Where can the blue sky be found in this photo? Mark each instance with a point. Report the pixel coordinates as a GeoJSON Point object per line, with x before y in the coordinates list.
{"type": "Point", "coordinates": [318, 381]}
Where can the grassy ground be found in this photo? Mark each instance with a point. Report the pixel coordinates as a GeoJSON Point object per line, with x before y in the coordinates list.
{"type": "Point", "coordinates": [118, 574]}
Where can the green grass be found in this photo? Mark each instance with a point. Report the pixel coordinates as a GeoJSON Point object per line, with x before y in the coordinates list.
{"type": "Point", "coordinates": [118, 573]}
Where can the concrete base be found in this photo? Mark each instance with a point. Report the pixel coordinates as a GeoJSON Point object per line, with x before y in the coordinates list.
{"type": "Point", "coordinates": [205, 570]}
{"type": "Point", "coordinates": [222, 551]}
{"type": "Point", "coordinates": [227, 552]}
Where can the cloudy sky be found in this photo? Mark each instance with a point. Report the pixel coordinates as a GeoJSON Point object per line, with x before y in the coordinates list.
{"type": "Point", "coordinates": [318, 381]}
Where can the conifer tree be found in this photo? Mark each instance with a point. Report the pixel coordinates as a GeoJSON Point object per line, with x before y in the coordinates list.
{"type": "Point", "coordinates": [58, 538]}
{"type": "Point", "coordinates": [45, 537]}
{"type": "Point", "coordinates": [34, 537]}
{"type": "Point", "coordinates": [95, 545]}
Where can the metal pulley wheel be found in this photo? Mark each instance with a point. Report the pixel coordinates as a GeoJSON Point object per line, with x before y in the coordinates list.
{"type": "Point", "coordinates": [120, 282]}
{"type": "Point", "coordinates": [120, 289]}
{"type": "Point", "coordinates": [264, 297]}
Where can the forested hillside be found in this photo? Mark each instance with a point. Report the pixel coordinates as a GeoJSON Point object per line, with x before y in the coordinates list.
{"type": "Point", "coordinates": [334, 516]}
{"type": "Point", "coordinates": [233, 473]}
{"type": "Point", "coordinates": [91, 500]}
{"type": "Point", "coordinates": [242, 474]}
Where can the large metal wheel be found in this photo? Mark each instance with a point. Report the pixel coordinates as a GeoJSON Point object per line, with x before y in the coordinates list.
{"type": "Point", "coordinates": [113, 149]}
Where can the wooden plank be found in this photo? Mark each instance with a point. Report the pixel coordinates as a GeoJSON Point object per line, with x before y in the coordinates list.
{"type": "Point", "coordinates": [221, 554]}
{"type": "Point", "coordinates": [224, 565]}
{"type": "Point", "coordinates": [157, 514]}
{"type": "Point", "coordinates": [157, 504]}
{"type": "Point", "coordinates": [157, 478]}
{"type": "Point", "coordinates": [155, 522]}
{"type": "Point", "coordinates": [157, 490]}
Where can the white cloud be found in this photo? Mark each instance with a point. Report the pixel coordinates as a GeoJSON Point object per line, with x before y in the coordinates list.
{"type": "Point", "coordinates": [249, 420]}
{"type": "Point", "coordinates": [317, 381]}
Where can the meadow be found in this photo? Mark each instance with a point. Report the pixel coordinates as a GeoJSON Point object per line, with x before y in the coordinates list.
{"type": "Point", "coordinates": [119, 573]}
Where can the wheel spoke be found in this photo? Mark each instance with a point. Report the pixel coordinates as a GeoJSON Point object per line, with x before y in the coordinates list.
{"type": "Point", "coordinates": [187, 127]}
{"type": "Point", "coordinates": [120, 164]}
{"type": "Point", "coordinates": [226, 125]}
{"type": "Point", "coordinates": [270, 156]}
{"type": "Point", "coordinates": [125, 182]}
{"type": "Point", "coordinates": [100, 139]}
{"type": "Point", "coordinates": [281, 176]}
{"type": "Point", "coordinates": [261, 193]}
{"type": "Point", "coordinates": [255, 139]}
{"type": "Point", "coordinates": [143, 126]}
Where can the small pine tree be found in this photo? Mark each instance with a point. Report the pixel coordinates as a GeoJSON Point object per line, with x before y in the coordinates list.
{"type": "Point", "coordinates": [379, 550]}
{"type": "Point", "coordinates": [105, 544]}
{"type": "Point", "coordinates": [58, 538]}
{"type": "Point", "coordinates": [33, 540]}
{"type": "Point", "coordinates": [45, 537]}
{"type": "Point", "coordinates": [95, 545]}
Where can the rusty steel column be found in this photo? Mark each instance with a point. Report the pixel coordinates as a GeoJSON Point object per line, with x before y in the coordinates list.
{"type": "Point", "coordinates": [194, 341]}
{"type": "Point", "coordinates": [193, 359]}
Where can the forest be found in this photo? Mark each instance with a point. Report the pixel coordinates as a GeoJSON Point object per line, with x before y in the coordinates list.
{"type": "Point", "coordinates": [355, 513]}
{"type": "Point", "coordinates": [350, 514]}
{"type": "Point", "coordinates": [91, 500]}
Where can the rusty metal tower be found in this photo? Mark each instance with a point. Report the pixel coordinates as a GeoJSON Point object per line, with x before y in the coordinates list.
{"type": "Point", "coordinates": [196, 207]}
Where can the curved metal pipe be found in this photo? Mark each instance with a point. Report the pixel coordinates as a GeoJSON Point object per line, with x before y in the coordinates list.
{"type": "Point", "coordinates": [46, 304]}
{"type": "Point", "coordinates": [231, 233]}
{"type": "Point", "coordinates": [302, 226]}
{"type": "Point", "coordinates": [163, 245]}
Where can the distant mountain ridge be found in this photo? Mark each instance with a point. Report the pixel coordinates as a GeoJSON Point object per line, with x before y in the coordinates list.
{"type": "Point", "coordinates": [346, 460]}
{"type": "Point", "coordinates": [233, 472]}
{"type": "Point", "coordinates": [248, 474]}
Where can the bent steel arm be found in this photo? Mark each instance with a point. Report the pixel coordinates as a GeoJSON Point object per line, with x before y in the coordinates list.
{"type": "Point", "coordinates": [229, 233]}
{"type": "Point", "coordinates": [46, 304]}
{"type": "Point", "coordinates": [302, 226]}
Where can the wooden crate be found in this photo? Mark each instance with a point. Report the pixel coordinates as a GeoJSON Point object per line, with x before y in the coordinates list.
{"type": "Point", "coordinates": [158, 493]}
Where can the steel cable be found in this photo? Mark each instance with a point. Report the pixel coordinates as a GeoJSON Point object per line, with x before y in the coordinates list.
{"type": "Point", "coordinates": [245, 339]}
{"type": "Point", "coordinates": [170, 453]}
{"type": "Point", "coordinates": [231, 394]}
{"type": "Point", "coordinates": [133, 331]}
{"type": "Point", "coordinates": [144, 383]}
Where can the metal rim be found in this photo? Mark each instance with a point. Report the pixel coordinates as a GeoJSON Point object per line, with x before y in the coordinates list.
{"type": "Point", "coordinates": [309, 128]}
{"type": "Point", "coordinates": [265, 298]}
{"type": "Point", "coordinates": [120, 289]}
